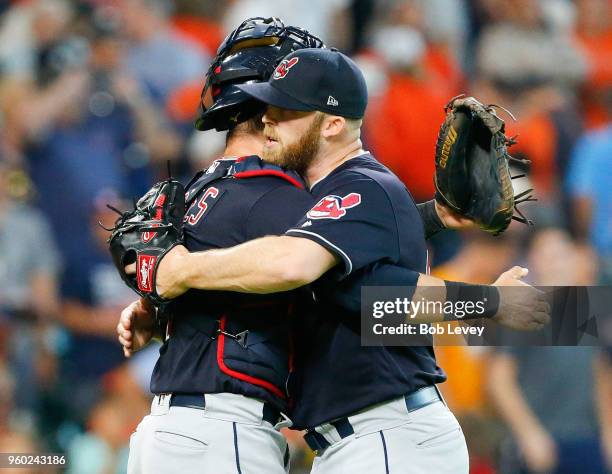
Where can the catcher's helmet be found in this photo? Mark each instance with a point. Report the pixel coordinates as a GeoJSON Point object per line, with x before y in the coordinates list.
{"type": "Point", "coordinates": [250, 53]}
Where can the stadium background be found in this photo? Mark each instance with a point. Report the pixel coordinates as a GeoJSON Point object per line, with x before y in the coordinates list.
{"type": "Point", "coordinates": [95, 96]}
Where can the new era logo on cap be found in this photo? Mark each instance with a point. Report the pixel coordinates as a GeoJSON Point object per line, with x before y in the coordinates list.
{"type": "Point", "coordinates": [331, 101]}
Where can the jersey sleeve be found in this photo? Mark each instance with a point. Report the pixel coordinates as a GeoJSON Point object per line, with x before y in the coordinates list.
{"type": "Point", "coordinates": [379, 274]}
{"type": "Point", "coordinates": [355, 221]}
{"type": "Point", "coordinates": [277, 210]}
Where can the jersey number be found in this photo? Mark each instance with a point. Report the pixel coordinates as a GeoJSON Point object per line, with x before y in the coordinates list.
{"type": "Point", "coordinates": [197, 210]}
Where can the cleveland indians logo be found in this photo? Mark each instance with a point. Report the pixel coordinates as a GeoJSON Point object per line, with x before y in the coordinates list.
{"type": "Point", "coordinates": [334, 207]}
{"type": "Point", "coordinates": [283, 68]}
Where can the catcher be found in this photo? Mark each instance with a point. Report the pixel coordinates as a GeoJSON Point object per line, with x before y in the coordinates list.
{"type": "Point", "coordinates": [220, 381]}
{"type": "Point", "coordinates": [309, 404]}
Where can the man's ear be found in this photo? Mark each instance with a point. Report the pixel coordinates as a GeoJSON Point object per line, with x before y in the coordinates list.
{"type": "Point", "coordinates": [333, 125]}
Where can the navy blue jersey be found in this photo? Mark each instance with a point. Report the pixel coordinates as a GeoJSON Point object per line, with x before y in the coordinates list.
{"type": "Point", "coordinates": [365, 216]}
{"type": "Point", "coordinates": [224, 213]}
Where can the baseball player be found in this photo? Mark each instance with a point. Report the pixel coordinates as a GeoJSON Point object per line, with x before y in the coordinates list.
{"type": "Point", "coordinates": [187, 377]}
{"type": "Point", "coordinates": [366, 409]}
{"type": "Point", "coordinates": [220, 381]}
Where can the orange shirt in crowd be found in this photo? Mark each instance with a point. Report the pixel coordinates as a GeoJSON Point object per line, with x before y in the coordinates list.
{"type": "Point", "coordinates": [598, 51]}
{"type": "Point", "coordinates": [203, 32]}
{"type": "Point", "coordinates": [401, 130]}
{"type": "Point", "coordinates": [183, 103]}
{"type": "Point", "coordinates": [536, 142]}
{"type": "Point", "coordinates": [439, 62]}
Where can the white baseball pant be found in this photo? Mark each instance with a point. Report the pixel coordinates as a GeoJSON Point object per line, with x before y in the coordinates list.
{"type": "Point", "coordinates": [228, 436]}
{"type": "Point", "coordinates": [388, 439]}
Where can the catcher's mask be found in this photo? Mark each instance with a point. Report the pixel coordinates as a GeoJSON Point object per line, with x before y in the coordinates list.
{"type": "Point", "coordinates": [250, 53]}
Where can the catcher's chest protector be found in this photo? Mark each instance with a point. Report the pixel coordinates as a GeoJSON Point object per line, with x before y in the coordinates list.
{"type": "Point", "coordinates": [239, 336]}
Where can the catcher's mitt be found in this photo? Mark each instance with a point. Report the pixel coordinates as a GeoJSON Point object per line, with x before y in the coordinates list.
{"type": "Point", "coordinates": [472, 173]}
{"type": "Point", "coordinates": [146, 233]}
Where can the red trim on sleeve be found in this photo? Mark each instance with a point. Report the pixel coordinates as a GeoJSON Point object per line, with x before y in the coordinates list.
{"type": "Point", "coordinates": [278, 174]}
{"type": "Point", "coordinates": [239, 375]}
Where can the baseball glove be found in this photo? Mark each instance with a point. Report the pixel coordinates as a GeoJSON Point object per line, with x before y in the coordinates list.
{"type": "Point", "coordinates": [472, 173]}
{"type": "Point", "coordinates": [146, 233]}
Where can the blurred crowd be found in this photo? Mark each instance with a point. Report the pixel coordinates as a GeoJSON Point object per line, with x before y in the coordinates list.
{"type": "Point", "coordinates": [97, 95]}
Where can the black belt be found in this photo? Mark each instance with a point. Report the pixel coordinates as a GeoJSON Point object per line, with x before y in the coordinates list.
{"type": "Point", "coordinates": [198, 400]}
{"type": "Point", "coordinates": [419, 399]}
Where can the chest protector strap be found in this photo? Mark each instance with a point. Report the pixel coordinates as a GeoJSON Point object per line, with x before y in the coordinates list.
{"type": "Point", "coordinates": [253, 166]}
{"type": "Point", "coordinates": [256, 355]}
{"type": "Point", "coordinates": [240, 168]}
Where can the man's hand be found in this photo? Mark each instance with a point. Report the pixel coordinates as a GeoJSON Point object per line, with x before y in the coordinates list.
{"type": "Point", "coordinates": [170, 277]}
{"type": "Point", "coordinates": [539, 450]}
{"type": "Point", "coordinates": [521, 306]}
{"type": "Point", "coordinates": [136, 326]}
{"type": "Point", "coordinates": [452, 220]}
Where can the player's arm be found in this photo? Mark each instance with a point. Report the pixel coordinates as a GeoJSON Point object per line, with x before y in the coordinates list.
{"type": "Point", "coordinates": [273, 264]}
{"type": "Point", "coordinates": [437, 217]}
{"type": "Point", "coordinates": [265, 265]}
{"type": "Point", "coordinates": [521, 309]}
{"type": "Point", "coordinates": [344, 232]}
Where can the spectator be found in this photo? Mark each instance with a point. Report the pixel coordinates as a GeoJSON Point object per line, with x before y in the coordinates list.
{"type": "Point", "coordinates": [442, 39]}
{"type": "Point", "coordinates": [29, 261]}
{"type": "Point", "coordinates": [553, 425]}
{"type": "Point", "coordinates": [603, 369]}
{"type": "Point", "coordinates": [93, 296]}
{"type": "Point", "coordinates": [446, 21]}
{"type": "Point", "coordinates": [522, 47]}
{"type": "Point", "coordinates": [207, 33]}
{"type": "Point", "coordinates": [26, 28]}
{"type": "Point", "coordinates": [480, 260]}
{"type": "Point", "coordinates": [327, 19]}
{"type": "Point", "coordinates": [159, 58]}
{"type": "Point", "coordinates": [90, 129]}
{"type": "Point", "coordinates": [7, 390]}
{"type": "Point", "coordinates": [589, 184]}
{"type": "Point", "coordinates": [547, 269]}
{"type": "Point", "coordinates": [103, 449]}
{"type": "Point", "coordinates": [29, 267]}
{"type": "Point", "coordinates": [594, 37]}
{"type": "Point", "coordinates": [95, 95]}
{"type": "Point", "coordinates": [399, 129]}
{"type": "Point", "coordinates": [532, 69]}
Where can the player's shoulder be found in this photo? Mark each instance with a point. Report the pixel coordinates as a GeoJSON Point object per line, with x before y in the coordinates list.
{"type": "Point", "coordinates": [269, 189]}
{"type": "Point", "coordinates": [364, 172]}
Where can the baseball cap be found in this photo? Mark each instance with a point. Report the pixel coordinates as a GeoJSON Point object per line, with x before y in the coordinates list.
{"type": "Point", "coordinates": [314, 79]}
